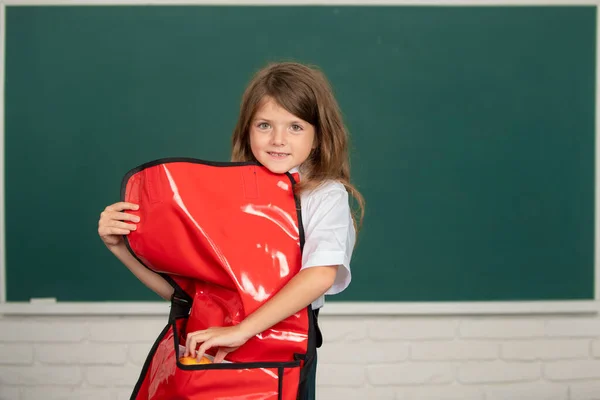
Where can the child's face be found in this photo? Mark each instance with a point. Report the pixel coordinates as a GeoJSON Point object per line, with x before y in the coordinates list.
{"type": "Point", "coordinates": [279, 140]}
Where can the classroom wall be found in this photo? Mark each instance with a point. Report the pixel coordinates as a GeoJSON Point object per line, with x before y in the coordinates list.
{"type": "Point", "coordinates": [401, 358]}
{"type": "Point", "coordinates": [552, 357]}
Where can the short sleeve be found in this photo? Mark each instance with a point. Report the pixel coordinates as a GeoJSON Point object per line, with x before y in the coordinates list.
{"type": "Point", "coordinates": [329, 233]}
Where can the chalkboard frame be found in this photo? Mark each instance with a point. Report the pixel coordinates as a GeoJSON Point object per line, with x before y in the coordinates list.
{"type": "Point", "coordinates": [48, 307]}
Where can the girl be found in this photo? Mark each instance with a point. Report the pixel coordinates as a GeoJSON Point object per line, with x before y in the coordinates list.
{"type": "Point", "coordinates": [289, 122]}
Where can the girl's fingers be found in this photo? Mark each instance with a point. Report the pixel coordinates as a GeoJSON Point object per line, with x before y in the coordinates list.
{"type": "Point", "coordinates": [116, 231]}
{"type": "Point", "coordinates": [192, 341]}
{"type": "Point", "coordinates": [220, 356]}
{"type": "Point", "coordinates": [125, 217]}
{"type": "Point", "coordinates": [190, 346]}
{"type": "Point", "coordinates": [111, 225]}
{"type": "Point", "coordinates": [203, 348]}
{"type": "Point", "coordinates": [108, 228]}
{"type": "Point", "coordinates": [123, 225]}
{"type": "Point", "coordinates": [109, 216]}
{"type": "Point", "coordinates": [122, 205]}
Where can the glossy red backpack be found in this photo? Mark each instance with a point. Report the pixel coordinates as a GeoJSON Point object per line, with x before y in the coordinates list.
{"type": "Point", "coordinates": [227, 237]}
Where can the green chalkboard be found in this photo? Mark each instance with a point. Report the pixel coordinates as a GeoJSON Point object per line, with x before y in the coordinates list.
{"type": "Point", "coordinates": [473, 136]}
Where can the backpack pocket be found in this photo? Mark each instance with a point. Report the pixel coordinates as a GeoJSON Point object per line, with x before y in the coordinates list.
{"type": "Point", "coordinates": [164, 377]}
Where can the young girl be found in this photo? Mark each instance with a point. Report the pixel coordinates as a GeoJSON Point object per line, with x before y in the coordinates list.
{"type": "Point", "coordinates": [289, 122]}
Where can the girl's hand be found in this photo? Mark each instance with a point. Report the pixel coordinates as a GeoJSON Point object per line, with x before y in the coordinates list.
{"type": "Point", "coordinates": [227, 339]}
{"type": "Point", "coordinates": [112, 225]}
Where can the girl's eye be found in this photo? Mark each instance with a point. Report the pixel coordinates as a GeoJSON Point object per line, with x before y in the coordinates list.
{"type": "Point", "coordinates": [263, 125]}
{"type": "Point", "coordinates": [296, 128]}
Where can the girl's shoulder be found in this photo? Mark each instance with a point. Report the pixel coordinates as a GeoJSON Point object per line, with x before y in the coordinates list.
{"type": "Point", "coordinates": [328, 195]}
{"type": "Point", "coordinates": [326, 211]}
{"type": "Point", "coordinates": [326, 189]}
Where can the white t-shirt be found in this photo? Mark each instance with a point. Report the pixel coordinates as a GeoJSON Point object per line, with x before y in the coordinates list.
{"type": "Point", "coordinates": [329, 234]}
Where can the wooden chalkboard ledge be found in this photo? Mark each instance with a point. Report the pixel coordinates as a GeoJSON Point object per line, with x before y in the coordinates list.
{"type": "Point", "coordinates": [332, 308]}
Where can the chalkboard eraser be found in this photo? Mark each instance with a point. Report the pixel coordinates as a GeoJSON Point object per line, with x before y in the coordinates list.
{"type": "Point", "coordinates": [42, 300]}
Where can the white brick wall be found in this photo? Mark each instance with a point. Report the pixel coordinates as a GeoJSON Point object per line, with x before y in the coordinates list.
{"type": "Point", "coordinates": [387, 358]}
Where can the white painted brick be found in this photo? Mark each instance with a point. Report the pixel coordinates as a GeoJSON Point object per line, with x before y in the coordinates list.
{"type": "Point", "coordinates": [9, 393]}
{"type": "Point", "coordinates": [40, 375]}
{"type": "Point", "coordinates": [337, 329]}
{"type": "Point", "coordinates": [585, 390]}
{"type": "Point", "coordinates": [453, 392]}
{"type": "Point", "coordinates": [363, 352]}
{"type": "Point", "coordinates": [545, 349]}
{"type": "Point", "coordinates": [596, 348]}
{"type": "Point", "coordinates": [530, 391]}
{"type": "Point", "coordinates": [124, 394]}
{"type": "Point", "coordinates": [345, 375]}
{"type": "Point", "coordinates": [495, 328]}
{"type": "Point", "coordinates": [570, 370]}
{"type": "Point", "coordinates": [498, 371]}
{"type": "Point", "coordinates": [412, 328]}
{"type": "Point", "coordinates": [27, 330]}
{"type": "Point", "coordinates": [111, 376]}
{"type": "Point", "coordinates": [96, 353]}
{"type": "Point", "coordinates": [137, 353]}
{"type": "Point", "coordinates": [53, 393]}
{"type": "Point", "coordinates": [16, 354]}
{"type": "Point", "coordinates": [411, 374]}
{"type": "Point", "coordinates": [343, 370]}
{"type": "Point", "coordinates": [454, 350]}
{"type": "Point", "coordinates": [574, 327]}
{"type": "Point", "coordinates": [337, 393]}
{"type": "Point", "coordinates": [131, 330]}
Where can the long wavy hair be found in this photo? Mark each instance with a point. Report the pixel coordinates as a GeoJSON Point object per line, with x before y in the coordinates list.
{"type": "Point", "coordinates": [304, 92]}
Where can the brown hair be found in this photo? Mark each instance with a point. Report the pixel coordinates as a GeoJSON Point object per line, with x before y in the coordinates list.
{"type": "Point", "coordinates": [305, 92]}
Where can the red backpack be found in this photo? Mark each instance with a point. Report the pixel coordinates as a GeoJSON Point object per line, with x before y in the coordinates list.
{"type": "Point", "coordinates": [227, 237]}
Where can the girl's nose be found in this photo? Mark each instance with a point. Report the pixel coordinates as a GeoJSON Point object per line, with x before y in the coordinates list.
{"type": "Point", "coordinates": [278, 137]}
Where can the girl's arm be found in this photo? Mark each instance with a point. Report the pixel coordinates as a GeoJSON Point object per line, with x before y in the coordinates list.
{"type": "Point", "coordinates": [149, 278]}
{"type": "Point", "coordinates": [113, 225]}
{"type": "Point", "coordinates": [304, 288]}
{"type": "Point", "coordinates": [328, 231]}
